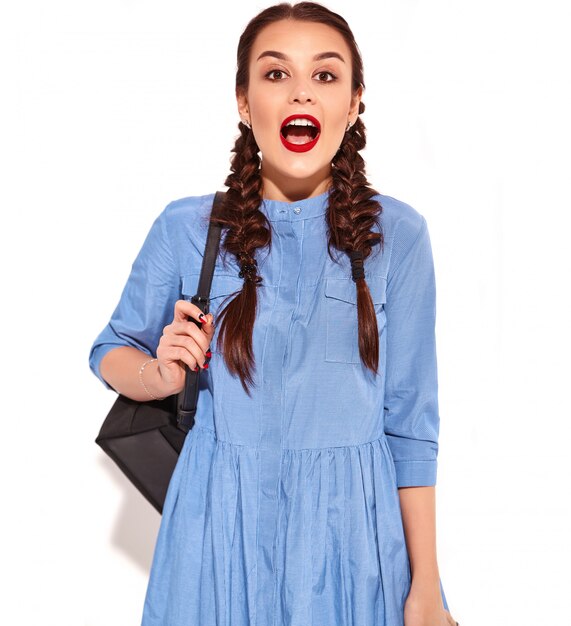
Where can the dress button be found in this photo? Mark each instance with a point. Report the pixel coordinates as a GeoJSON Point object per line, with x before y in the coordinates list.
{"type": "Point", "coordinates": [297, 210]}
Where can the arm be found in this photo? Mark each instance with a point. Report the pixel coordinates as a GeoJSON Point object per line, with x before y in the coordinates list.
{"type": "Point", "coordinates": [418, 510]}
{"type": "Point", "coordinates": [411, 415]}
{"type": "Point", "coordinates": [411, 395]}
{"type": "Point", "coordinates": [121, 367]}
{"type": "Point", "coordinates": [150, 319]}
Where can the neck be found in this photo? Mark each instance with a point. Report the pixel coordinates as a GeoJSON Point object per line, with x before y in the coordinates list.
{"type": "Point", "coordinates": [294, 189]}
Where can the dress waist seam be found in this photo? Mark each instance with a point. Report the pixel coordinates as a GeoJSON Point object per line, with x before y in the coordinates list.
{"type": "Point", "coordinates": [381, 438]}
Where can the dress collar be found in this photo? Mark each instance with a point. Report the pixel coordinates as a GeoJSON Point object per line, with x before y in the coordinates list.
{"type": "Point", "coordinates": [281, 211]}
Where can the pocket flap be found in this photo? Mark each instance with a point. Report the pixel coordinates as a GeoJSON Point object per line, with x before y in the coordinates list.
{"type": "Point", "coordinates": [222, 285]}
{"type": "Point", "coordinates": [345, 289]}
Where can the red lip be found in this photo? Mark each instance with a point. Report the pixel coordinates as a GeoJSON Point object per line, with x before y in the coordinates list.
{"type": "Point", "coordinates": [303, 147]}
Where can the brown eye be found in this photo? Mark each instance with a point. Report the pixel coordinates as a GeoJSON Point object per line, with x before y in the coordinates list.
{"type": "Point", "coordinates": [326, 77]}
{"type": "Point", "coordinates": [280, 74]}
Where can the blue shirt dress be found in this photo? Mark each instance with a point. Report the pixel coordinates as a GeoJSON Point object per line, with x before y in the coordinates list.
{"type": "Point", "coordinates": [283, 509]}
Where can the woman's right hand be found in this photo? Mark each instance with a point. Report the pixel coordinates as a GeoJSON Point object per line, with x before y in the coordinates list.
{"type": "Point", "coordinates": [183, 342]}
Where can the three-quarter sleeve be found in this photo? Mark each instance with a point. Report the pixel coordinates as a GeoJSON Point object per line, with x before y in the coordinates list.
{"type": "Point", "coordinates": [411, 414]}
{"type": "Point", "coordinates": [147, 302]}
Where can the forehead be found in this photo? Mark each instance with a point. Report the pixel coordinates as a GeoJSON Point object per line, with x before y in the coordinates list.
{"type": "Point", "coordinates": [299, 40]}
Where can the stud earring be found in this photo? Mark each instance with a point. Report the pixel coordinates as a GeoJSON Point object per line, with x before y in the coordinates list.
{"type": "Point", "coordinates": [247, 124]}
{"type": "Point", "coordinates": [349, 125]}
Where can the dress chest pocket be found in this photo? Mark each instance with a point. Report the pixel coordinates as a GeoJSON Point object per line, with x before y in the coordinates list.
{"type": "Point", "coordinates": [224, 287]}
{"type": "Point", "coordinates": [342, 334]}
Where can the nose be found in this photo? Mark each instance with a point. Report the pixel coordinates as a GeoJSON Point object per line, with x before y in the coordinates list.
{"type": "Point", "coordinates": [302, 92]}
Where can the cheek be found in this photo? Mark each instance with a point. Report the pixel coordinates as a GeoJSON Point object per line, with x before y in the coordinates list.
{"type": "Point", "coordinates": [338, 116]}
{"type": "Point", "coordinates": [336, 121]}
{"type": "Point", "coordinates": [335, 135]}
{"type": "Point", "coordinates": [264, 125]}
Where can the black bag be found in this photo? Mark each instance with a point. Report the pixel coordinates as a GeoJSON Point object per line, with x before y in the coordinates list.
{"type": "Point", "coordinates": [145, 438]}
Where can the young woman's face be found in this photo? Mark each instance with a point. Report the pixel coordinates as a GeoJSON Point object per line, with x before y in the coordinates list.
{"type": "Point", "coordinates": [298, 69]}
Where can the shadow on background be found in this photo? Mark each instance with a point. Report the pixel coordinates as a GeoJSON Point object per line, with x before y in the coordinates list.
{"type": "Point", "coordinates": [137, 523]}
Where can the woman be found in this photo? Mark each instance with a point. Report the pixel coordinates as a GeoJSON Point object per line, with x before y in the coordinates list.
{"type": "Point", "coordinates": [304, 494]}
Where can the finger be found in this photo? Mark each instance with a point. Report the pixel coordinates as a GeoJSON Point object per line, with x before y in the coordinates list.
{"type": "Point", "coordinates": [175, 348]}
{"type": "Point", "coordinates": [208, 327]}
{"type": "Point", "coordinates": [183, 309]}
{"type": "Point", "coordinates": [450, 620]}
{"type": "Point", "coordinates": [179, 355]}
{"type": "Point", "coordinates": [189, 329]}
{"type": "Point", "coordinates": [199, 351]}
{"type": "Point", "coordinates": [196, 351]}
{"type": "Point", "coordinates": [207, 324]}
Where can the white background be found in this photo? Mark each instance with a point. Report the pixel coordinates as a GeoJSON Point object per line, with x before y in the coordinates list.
{"type": "Point", "coordinates": [110, 110]}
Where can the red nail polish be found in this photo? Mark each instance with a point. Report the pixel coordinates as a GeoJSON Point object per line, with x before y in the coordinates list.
{"type": "Point", "coordinates": [195, 369]}
{"type": "Point", "coordinates": [205, 366]}
{"type": "Point", "coordinates": [208, 353]}
{"type": "Point", "coordinates": [202, 318]}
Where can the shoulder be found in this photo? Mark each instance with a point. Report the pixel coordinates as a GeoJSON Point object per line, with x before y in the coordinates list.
{"type": "Point", "coordinates": [188, 212]}
{"type": "Point", "coordinates": [400, 222]}
{"type": "Point", "coordinates": [183, 226]}
{"type": "Point", "coordinates": [402, 225]}
{"type": "Point", "coordinates": [186, 220]}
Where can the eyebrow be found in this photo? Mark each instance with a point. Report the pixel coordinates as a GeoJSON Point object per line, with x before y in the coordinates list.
{"type": "Point", "coordinates": [317, 57]}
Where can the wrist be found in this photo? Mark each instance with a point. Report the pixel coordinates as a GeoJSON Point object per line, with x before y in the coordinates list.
{"type": "Point", "coordinates": [426, 577]}
{"type": "Point", "coordinates": [422, 595]}
{"type": "Point", "coordinates": [149, 379]}
{"type": "Point", "coordinates": [423, 564]}
{"type": "Point", "coordinates": [425, 593]}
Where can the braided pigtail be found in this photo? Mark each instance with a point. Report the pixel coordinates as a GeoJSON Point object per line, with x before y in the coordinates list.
{"type": "Point", "coordinates": [351, 216]}
{"type": "Point", "coordinates": [248, 230]}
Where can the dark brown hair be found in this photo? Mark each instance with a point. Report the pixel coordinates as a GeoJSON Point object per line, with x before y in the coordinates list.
{"type": "Point", "coordinates": [351, 214]}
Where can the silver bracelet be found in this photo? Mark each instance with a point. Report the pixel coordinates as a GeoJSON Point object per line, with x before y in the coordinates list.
{"type": "Point", "coordinates": [143, 383]}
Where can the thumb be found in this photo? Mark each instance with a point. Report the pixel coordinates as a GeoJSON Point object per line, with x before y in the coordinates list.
{"type": "Point", "coordinates": [209, 326]}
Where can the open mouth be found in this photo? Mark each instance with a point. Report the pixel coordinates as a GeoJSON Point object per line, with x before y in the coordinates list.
{"type": "Point", "coordinates": [300, 133]}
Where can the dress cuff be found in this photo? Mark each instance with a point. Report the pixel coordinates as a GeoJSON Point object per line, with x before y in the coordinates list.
{"type": "Point", "coordinates": [416, 473]}
{"type": "Point", "coordinates": [95, 358]}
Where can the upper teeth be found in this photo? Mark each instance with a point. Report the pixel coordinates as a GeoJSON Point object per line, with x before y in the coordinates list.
{"type": "Point", "coordinates": [300, 121]}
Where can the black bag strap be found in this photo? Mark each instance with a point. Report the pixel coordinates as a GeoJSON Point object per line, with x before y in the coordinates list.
{"type": "Point", "coordinates": [188, 397]}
